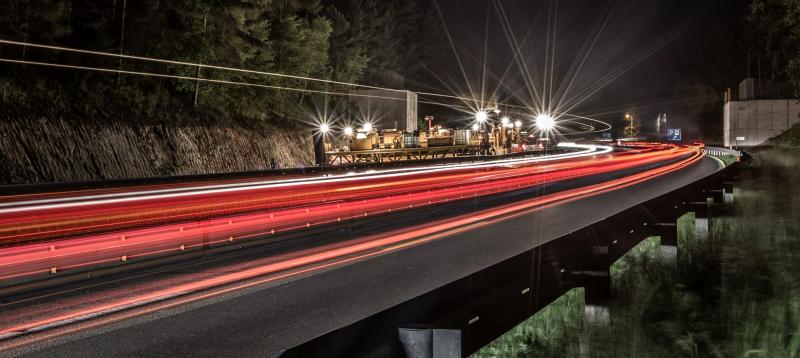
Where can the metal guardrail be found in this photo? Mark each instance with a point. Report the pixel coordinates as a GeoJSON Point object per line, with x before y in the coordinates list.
{"type": "Point", "coordinates": [722, 151]}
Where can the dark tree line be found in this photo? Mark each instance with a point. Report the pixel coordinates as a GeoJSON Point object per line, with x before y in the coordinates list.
{"type": "Point", "coordinates": [386, 43]}
{"type": "Point", "coordinates": [759, 38]}
{"type": "Point", "coordinates": [777, 23]}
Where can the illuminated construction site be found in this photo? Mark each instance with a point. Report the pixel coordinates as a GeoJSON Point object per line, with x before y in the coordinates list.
{"type": "Point", "coordinates": [394, 136]}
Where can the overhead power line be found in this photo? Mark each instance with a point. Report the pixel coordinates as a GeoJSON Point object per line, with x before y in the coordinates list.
{"type": "Point", "coordinates": [207, 66]}
{"type": "Point", "coordinates": [249, 84]}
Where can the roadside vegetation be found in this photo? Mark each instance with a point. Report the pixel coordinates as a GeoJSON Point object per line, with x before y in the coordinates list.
{"type": "Point", "coordinates": [736, 294]}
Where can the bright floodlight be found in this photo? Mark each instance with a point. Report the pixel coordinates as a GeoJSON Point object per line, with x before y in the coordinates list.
{"type": "Point", "coordinates": [518, 124]}
{"type": "Point", "coordinates": [545, 122]}
{"type": "Point", "coordinates": [476, 127]}
{"type": "Point", "coordinates": [368, 127]}
{"type": "Point", "coordinates": [504, 121]}
{"type": "Point", "coordinates": [348, 131]}
{"type": "Point", "coordinates": [481, 117]}
{"type": "Point", "coordinates": [324, 128]}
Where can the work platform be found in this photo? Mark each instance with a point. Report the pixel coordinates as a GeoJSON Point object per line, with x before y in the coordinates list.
{"type": "Point", "coordinates": [399, 154]}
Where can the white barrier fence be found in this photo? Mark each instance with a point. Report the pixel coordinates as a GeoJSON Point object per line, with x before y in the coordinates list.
{"type": "Point", "coordinates": [722, 151]}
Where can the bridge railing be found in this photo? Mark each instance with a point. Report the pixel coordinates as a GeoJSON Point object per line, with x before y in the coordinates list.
{"type": "Point", "coordinates": [717, 151]}
{"type": "Point", "coordinates": [727, 156]}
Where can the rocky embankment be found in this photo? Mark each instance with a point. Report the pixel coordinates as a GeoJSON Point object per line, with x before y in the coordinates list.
{"type": "Point", "coordinates": [46, 149]}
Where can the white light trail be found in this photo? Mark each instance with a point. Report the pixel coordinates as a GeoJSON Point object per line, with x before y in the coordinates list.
{"type": "Point", "coordinates": [119, 198]}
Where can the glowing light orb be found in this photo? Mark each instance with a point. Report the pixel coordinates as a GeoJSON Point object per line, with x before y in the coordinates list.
{"type": "Point", "coordinates": [324, 128]}
{"type": "Point", "coordinates": [368, 127]}
{"type": "Point", "coordinates": [545, 122]}
{"type": "Point", "coordinates": [518, 124]}
{"type": "Point", "coordinates": [476, 127]}
{"type": "Point", "coordinates": [481, 117]}
{"type": "Point", "coordinates": [504, 121]}
{"type": "Point", "coordinates": [348, 131]}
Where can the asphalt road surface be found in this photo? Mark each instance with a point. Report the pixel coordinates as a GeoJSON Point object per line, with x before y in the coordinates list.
{"type": "Point", "coordinates": [273, 315]}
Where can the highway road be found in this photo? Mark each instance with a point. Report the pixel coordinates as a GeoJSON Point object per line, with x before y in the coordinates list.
{"type": "Point", "coordinates": [255, 291]}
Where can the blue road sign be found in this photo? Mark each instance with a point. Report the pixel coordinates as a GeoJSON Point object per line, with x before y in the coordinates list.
{"type": "Point", "coordinates": [674, 134]}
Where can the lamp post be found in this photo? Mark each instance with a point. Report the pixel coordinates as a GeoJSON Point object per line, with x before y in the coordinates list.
{"type": "Point", "coordinates": [630, 130]}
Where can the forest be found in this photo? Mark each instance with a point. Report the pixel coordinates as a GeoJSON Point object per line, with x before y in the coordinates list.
{"type": "Point", "coordinates": [382, 43]}
{"type": "Point", "coordinates": [392, 43]}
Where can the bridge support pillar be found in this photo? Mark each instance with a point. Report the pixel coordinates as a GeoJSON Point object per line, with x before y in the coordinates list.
{"type": "Point", "coordinates": [597, 295]}
{"type": "Point", "coordinates": [668, 250]}
{"type": "Point", "coordinates": [426, 342]}
{"type": "Point", "coordinates": [727, 193]}
{"type": "Point", "coordinates": [717, 195]}
{"type": "Point", "coordinates": [701, 226]}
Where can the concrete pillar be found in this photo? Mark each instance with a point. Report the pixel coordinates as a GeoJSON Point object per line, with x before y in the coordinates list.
{"type": "Point", "coordinates": [717, 195]}
{"type": "Point", "coordinates": [598, 315]}
{"type": "Point", "coordinates": [421, 341]}
{"type": "Point", "coordinates": [417, 341]}
{"type": "Point", "coordinates": [446, 343]}
{"type": "Point", "coordinates": [727, 193]}
{"type": "Point", "coordinates": [701, 226]}
{"type": "Point", "coordinates": [597, 295]}
{"type": "Point", "coordinates": [668, 250]}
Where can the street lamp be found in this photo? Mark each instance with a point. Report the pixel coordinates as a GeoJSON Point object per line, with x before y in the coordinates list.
{"type": "Point", "coordinates": [631, 130]}
{"type": "Point", "coordinates": [367, 127]}
{"type": "Point", "coordinates": [518, 124]}
{"type": "Point", "coordinates": [481, 117]}
{"type": "Point", "coordinates": [505, 121]}
{"type": "Point", "coordinates": [545, 122]}
{"type": "Point", "coordinates": [324, 128]}
{"type": "Point", "coordinates": [476, 127]}
{"type": "Point", "coordinates": [348, 131]}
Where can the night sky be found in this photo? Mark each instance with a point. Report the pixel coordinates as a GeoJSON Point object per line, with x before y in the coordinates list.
{"type": "Point", "coordinates": [645, 55]}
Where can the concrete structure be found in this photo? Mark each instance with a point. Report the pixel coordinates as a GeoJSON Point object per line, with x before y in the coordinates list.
{"type": "Point", "coordinates": [749, 122]}
{"type": "Point", "coordinates": [387, 109]}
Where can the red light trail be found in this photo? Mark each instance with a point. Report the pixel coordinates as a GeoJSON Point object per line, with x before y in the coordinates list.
{"type": "Point", "coordinates": [275, 268]}
{"type": "Point", "coordinates": [313, 205]}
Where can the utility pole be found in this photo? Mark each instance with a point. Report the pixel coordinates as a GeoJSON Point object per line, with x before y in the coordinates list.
{"type": "Point", "coordinates": [197, 83]}
{"type": "Point", "coordinates": [122, 37]}
{"type": "Point", "coordinates": [661, 124]}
